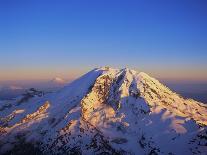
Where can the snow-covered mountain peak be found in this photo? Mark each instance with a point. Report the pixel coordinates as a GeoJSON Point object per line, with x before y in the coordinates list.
{"type": "Point", "coordinates": [114, 111]}
{"type": "Point", "coordinates": [58, 80]}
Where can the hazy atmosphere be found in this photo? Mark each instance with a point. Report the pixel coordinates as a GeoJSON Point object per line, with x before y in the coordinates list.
{"type": "Point", "coordinates": [44, 39]}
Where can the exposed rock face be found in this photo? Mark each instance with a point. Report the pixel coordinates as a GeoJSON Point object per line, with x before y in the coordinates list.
{"type": "Point", "coordinates": [107, 111]}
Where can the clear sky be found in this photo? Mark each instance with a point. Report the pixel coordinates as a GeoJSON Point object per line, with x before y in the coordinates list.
{"type": "Point", "coordinates": [40, 39]}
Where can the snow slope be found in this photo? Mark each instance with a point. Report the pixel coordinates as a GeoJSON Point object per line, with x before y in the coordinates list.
{"type": "Point", "coordinates": [106, 111]}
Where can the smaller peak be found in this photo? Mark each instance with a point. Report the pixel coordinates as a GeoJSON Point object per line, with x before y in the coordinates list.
{"type": "Point", "coordinates": [14, 87]}
{"type": "Point", "coordinates": [58, 80]}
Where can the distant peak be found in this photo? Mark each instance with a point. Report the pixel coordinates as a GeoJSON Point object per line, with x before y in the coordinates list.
{"type": "Point", "coordinates": [58, 80]}
{"type": "Point", "coordinates": [12, 87]}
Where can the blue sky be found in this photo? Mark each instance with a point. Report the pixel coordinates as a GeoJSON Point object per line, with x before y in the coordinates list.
{"type": "Point", "coordinates": [44, 38]}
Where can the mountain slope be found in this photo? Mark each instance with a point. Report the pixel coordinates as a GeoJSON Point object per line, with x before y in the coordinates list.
{"type": "Point", "coordinates": [106, 111]}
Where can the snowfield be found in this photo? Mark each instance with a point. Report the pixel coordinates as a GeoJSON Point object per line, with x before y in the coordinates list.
{"type": "Point", "coordinates": [106, 111]}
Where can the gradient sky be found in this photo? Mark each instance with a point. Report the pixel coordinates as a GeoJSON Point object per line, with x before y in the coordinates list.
{"type": "Point", "coordinates": [40, 39]}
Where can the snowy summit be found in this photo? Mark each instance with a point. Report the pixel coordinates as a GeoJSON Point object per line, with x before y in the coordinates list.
{"type": "Point", "coordinates": [106, 111]}
{"type": "Point", "coordinates": [58, 80]}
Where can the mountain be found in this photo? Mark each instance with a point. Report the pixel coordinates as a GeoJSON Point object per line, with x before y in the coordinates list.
{"type": "Point", "coordinates": [106, 111]}
{"type": "Point", "coordinates": [10, 92]}
{"type": "Point", "coordinates": [12, 87]}
{"type": "Point", "coordinates": [58, 81]}
{"type": "Point", "coordinates": [52, 85]}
